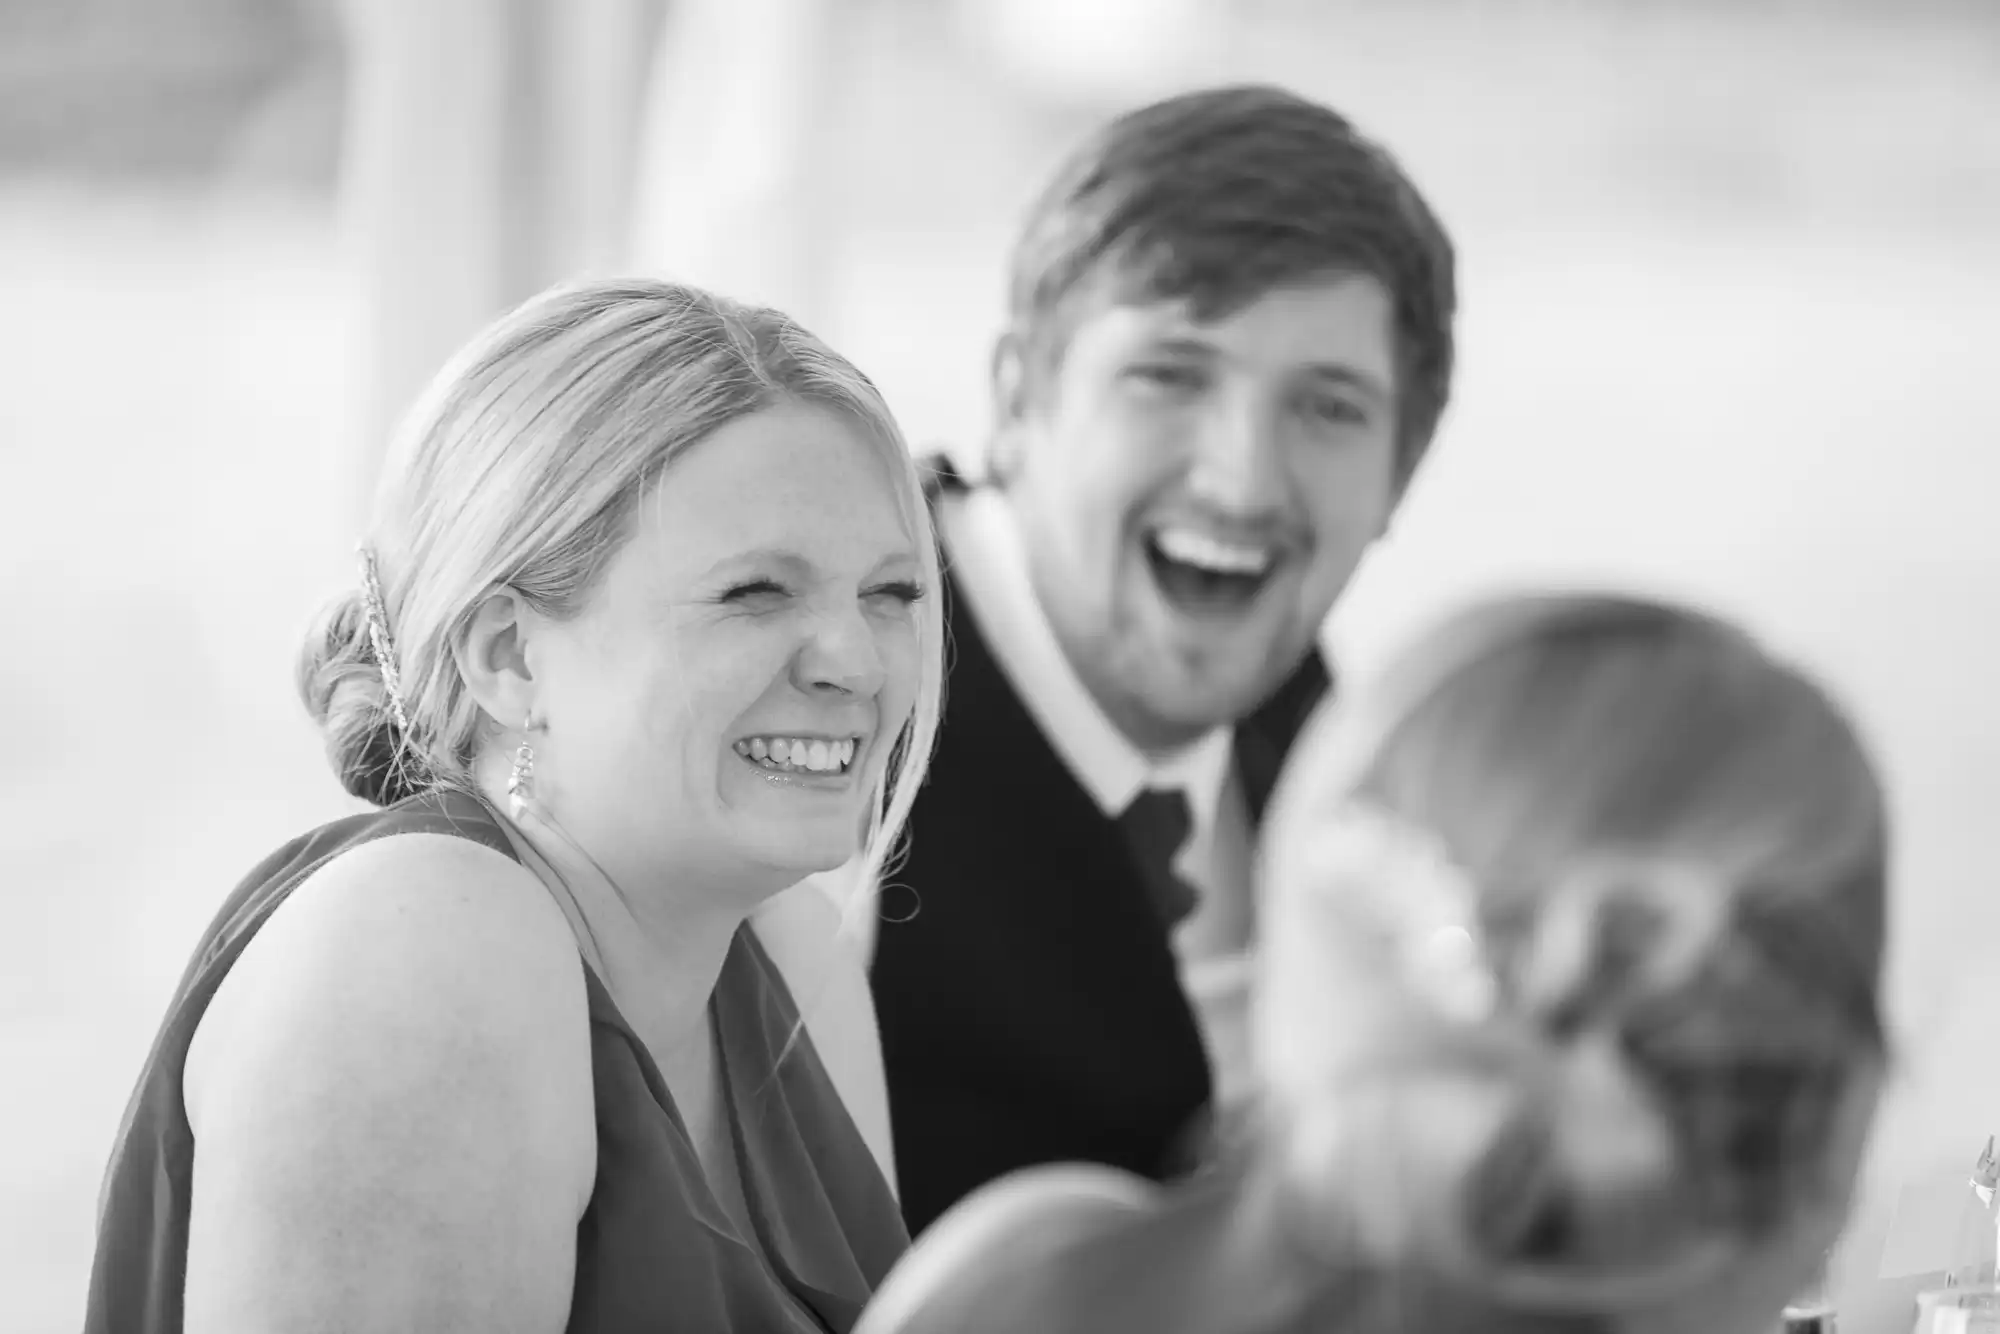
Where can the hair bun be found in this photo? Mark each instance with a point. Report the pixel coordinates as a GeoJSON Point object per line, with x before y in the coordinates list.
{"type": "Point", "coordinates": [1615, 929]}
{"type": "Point", "coordinates": [341, 685]}
{"type": "Point", "coordinates": [378, 771]}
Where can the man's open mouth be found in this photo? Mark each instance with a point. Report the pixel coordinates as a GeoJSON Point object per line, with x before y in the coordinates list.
{"type": "Point", "coordinates": [1199, 573]}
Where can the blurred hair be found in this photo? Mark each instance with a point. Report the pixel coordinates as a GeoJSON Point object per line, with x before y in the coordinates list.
{"type": "Point", "coordinates": [1216, 198]}
{"type": "Point", "coordinates": [1677, 848]}
{"type": "Point", "coordinates": [521, 466]}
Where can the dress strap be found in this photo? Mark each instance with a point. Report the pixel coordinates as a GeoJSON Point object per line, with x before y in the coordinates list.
{"type": "Point", "coordinates": [553, 882]}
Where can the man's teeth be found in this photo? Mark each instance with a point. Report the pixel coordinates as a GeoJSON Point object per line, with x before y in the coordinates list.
{"type": "Point", "coordinates": [1211, 554]}
{"type": "Point", "coordinates": [806, 754]}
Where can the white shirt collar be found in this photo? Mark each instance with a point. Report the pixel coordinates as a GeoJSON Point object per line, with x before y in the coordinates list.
{"type": "Point", "coordinates": [991, 570]}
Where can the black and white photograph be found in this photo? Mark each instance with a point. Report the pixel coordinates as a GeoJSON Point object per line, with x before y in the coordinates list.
{"type": "Point", "coordinates": [999, 666]}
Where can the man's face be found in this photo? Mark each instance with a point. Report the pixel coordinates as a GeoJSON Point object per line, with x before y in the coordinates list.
{"type": "Point", "coordinates": [1195, 496]}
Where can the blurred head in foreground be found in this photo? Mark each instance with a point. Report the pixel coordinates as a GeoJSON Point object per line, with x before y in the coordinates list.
{"type": "Point", "coordinates": [1573, 934]}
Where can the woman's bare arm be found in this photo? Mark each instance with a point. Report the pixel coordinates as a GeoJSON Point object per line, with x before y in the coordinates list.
{"type": "Point", "coordinates": [391, 1103]}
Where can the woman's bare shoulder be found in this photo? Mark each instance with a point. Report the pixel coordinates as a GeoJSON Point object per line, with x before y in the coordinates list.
{"type": "Point", "coordinates": [1041, 1196]}
{"type": "Point", "coordinates": [418, 930]}
{"type": "Point", "coordinates": [394, 1079]}
{"type": "Point", "coordinates": [1045, 1204]}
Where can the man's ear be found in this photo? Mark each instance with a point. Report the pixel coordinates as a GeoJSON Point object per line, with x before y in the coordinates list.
{"type": "Point", "coordinates": [492, 658]}
{"type": "Point", "coordinates": [1008, 372]}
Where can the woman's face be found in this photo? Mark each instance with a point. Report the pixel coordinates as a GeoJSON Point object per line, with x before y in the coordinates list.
{"type": "Point", "coordinates": [725, 705]}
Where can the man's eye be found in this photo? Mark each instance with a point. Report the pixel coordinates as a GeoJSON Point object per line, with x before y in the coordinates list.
{"type": "Point", "coordinates": [1338, 410]}
{"type": "Point", "coordinates": [1169, 376]}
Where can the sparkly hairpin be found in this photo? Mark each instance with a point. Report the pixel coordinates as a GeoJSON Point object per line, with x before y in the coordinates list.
{"type": "Point", "coordinates": [1411, 885]}
{"type": "Point", "coordinates": [378, 636]}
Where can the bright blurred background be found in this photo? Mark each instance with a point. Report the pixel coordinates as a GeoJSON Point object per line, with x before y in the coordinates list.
{"type": "Point", "coordinates": [1731, 275]}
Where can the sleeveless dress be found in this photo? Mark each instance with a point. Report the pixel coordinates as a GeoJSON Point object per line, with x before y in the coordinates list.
{"type": "Point", "coordinates": [655, 1251]}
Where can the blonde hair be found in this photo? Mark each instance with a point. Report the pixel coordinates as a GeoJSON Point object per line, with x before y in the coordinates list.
{"type": "Point", "coordinates": [520, 466]}
{"type": "Point", "coordinates": [1669, 844]}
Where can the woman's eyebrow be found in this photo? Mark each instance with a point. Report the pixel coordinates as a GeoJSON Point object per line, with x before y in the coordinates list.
{"type": "Point", "coordinates": [795, 563]}
{"type": "Point", "coordinates": [787, 560]}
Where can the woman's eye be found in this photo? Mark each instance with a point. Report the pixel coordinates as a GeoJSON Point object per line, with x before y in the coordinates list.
{"type": "Point", "coordinates": [905, 592]}
{"type": "Point", "coordinates": [752, 589]}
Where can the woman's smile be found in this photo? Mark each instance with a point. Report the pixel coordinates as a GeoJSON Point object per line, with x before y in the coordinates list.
{"type": "Point", "coordinates": [810, 759]}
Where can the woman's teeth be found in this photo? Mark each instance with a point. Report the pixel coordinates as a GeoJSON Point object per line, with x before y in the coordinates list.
{"type": "Point", "coordinates": [1211, 555]}
{"type": "Point", "coordinates": [791, 754]}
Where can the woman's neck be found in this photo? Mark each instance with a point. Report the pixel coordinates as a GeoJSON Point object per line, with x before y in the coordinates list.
{"type": "Point", "coordinates": [657, 950]}
{"type": "Point", "coordinates": [660, 965]}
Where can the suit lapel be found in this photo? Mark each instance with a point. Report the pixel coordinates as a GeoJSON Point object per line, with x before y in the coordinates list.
{"type": "Point", "coordinates": [1265, 738]}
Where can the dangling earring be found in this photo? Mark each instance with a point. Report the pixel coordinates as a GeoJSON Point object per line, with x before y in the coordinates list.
{"type": "Point", "coordinates": [521, 780]}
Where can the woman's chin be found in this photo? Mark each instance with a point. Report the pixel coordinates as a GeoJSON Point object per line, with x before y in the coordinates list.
{"type": "Point", "coordinates": [798, 849]}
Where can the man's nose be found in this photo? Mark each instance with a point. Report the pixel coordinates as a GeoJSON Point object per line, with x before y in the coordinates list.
{"type": "Point", "coordinates": [1239, 466]}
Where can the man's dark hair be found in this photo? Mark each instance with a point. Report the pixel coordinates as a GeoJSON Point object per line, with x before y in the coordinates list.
{"type": "Point", "coordinates": [1219, 196]}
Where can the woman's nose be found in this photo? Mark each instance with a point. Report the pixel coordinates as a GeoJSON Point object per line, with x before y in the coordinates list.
{"type": "Point", "coordinates": [840, 654]}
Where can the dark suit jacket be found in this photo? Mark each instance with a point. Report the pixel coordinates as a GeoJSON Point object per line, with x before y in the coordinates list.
{"type": "Point", "coordinates": [1029, 999]}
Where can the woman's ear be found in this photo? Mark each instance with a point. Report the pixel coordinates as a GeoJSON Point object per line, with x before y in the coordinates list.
{"type": "Point", "coordinates": [492, 657]}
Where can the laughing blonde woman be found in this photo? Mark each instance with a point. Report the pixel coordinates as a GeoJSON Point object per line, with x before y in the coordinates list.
{"type": "Point", "coordinates": [641, 635]}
